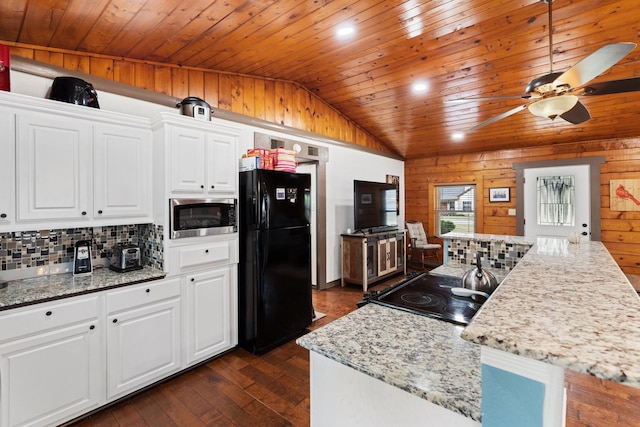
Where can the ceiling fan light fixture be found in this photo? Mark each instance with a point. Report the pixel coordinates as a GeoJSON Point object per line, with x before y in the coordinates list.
{"type": "Point", "coordinates": [553, 107]}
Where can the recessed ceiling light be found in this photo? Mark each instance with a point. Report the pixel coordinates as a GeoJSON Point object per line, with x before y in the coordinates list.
{"type": "Point", "coordinates": [457, 136]}
{"type": "Point", "coordinates": [420, 87]}
{"type": "Point", "coordinates": [345, 31]}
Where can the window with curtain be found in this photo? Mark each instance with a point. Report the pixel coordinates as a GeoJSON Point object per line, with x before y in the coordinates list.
{"type": "Point", "coordinates": [455, 208]}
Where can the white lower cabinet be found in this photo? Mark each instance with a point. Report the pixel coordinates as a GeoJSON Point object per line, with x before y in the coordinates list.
{"type": "Point", "coordinates": [210, 313]}
{"type": "Point", "coordinates": [62, 359]}
{"type": "Point", "coordinates": [51, 362]}
{"type": "Point", "coordinates": [143, 335]}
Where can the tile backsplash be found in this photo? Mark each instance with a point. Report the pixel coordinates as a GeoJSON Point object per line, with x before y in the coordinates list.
{"type": "Point", "coordinates": [498, 255]}
{"type": "Point", "coordinates": [45, 248]}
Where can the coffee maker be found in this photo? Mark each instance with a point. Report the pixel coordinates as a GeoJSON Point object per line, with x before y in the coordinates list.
{"type": "Point", "coordinates": [82, 257]}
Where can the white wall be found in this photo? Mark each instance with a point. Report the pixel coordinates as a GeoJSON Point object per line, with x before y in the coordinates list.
{"type": "Point", "coordinates": [344, 165]}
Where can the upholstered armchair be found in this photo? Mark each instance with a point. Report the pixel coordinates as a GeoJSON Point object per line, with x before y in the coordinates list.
{"type": "Point", "coordinates": [420, 243]}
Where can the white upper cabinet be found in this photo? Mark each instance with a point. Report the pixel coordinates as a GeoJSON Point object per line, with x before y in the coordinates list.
{"type": "Point", "coordinates": [202, 159]}
{"type": "Point", "coordinates": [75, 166]}
{"type": "Point", "coordinates": [187, 149]}
{"type": "Point", "coordinates": [53, 160]}
{"type": "Point", "coordinates": [122, 175]}
{"type": "Point", "coordinates": [222, 163]}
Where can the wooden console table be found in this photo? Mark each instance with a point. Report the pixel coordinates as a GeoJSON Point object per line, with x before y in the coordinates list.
{"type": "Point", "coordinates": [370, 257]}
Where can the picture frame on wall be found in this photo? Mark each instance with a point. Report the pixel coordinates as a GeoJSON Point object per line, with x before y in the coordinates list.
{"type": "Point", "coordinates": [500, 194]}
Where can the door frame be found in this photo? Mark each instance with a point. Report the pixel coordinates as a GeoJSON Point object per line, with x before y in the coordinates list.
{"type": "Point", "coordinates": [594, 186]}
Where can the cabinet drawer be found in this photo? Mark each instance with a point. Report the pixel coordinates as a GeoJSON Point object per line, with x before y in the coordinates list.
{"type": "Point", "coordinates": [144, 293]}
{"type": "Point", "coordinates": [210, 253]}
{"type": "Point", "coordinates": [40, 317]}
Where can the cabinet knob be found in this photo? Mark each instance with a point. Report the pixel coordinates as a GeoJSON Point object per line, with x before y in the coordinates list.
{"type": "Point", "coordinates": [84, 213]}
{"type": "Point", "coordinates": [206, 251]}
{"type": "Point", "coordinates": [115, 320]}
{"type": "Point", "coordinates": [92, 327]}
{"type": "Point", "coordinates": [193, 280]}
{"type": "Point", "coordinates": [213, 186]}
{"type": "Point", "coordinates": [48, 313]}
{"type": "Point", "coordinates": [100, 212]}
{"type": "Point", "coordinates": [147, 290]}
{"type": "Point", "coordinates": [4, 215]}
{"type": "Point", "coordinates": [202, 186]}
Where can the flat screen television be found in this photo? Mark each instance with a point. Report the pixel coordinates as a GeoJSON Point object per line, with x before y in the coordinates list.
{"type": "Point", "coordinates": [374, 206]}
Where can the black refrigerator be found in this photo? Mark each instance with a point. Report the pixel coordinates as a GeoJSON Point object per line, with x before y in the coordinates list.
{"type": "Point", "coordinates": [274, 272]}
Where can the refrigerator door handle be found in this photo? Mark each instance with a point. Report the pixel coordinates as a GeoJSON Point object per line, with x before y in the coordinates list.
{"type": "Point", "coordinates": [265, 253]}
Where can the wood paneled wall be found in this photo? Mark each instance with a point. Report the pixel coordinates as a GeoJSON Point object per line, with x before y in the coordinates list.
{"type": "Point", "coordinates": [620, 230]}
{"type": "Point", "coordinates": [276, 101]}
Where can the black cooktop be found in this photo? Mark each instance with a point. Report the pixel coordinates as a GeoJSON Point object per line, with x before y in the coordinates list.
{"type": "Point", "coordinates": [428, 295]}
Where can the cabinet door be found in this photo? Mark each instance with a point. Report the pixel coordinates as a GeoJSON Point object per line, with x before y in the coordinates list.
{"type": "Point", "coordinates": [122, 173]}
{"type": "Point", "coordinates": [7, 170]}
{"type": "Point", "coordinates": [53, 180]}
{"type": "Point", "coordinates": [383, 257]}
{"type": "Point", "coordinates": [51, 377]}
{"type": "Point", "coordinates": [187, 160]}
{"type": "Point", "coordinates": [392, 257]}
{"type": "Point", "coordinates": [143, 345]}
{"type": "Point", "coordinates": [211, 314]}
{"type": "Point", "coordinates": [222, 162]}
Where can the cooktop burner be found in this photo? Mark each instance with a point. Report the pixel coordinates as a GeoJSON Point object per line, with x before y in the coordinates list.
{"type": "Point", "coordinates": [428, 295]}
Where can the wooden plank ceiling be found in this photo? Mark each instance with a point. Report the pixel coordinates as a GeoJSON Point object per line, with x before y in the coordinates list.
{"type": "Point", "coordinates": [458, 47]}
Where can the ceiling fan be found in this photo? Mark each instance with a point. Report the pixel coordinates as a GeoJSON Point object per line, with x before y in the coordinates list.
{"type": "Point", "coordinates": [556, 94]}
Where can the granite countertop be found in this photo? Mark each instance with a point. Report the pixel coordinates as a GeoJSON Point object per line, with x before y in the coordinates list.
{"type": "Point", "coordinates": [569, 305]}
{"type": "Point", "coordinates": [418, 354]}
{"type": "Point", "coordinates": [49, 287]}
{"type": "Point", "coordinates": [479, 237]}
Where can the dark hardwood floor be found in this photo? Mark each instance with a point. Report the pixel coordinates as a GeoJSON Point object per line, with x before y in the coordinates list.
{"type": "Point", "coordinates": [238, 388]}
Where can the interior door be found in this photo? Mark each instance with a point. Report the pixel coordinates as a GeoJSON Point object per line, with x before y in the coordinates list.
{"type": "Point", "coordinates": [557, 201]}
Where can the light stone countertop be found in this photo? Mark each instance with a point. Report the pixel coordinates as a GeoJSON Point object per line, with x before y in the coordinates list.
{"type": "Point", "coordinates": [418, 354]}
{"type": "Point", "coordinates": [44, 288]}
{"type": "Point", "coordinates": [569, 305]}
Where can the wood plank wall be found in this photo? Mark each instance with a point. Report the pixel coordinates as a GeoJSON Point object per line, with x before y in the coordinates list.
{"type": "Point", "coordinates": [620, 230]}
{"type": "Point", "coordinates": [276, 101]}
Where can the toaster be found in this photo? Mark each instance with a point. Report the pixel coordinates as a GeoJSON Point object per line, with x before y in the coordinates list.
{"type": "Point", "coordinates": [126, 258]}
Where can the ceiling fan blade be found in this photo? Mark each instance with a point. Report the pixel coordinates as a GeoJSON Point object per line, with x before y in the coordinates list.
{"type": "Point", "coordinates": [577, 114]}
{"type": "Point", "coordinates": [488, 98]}
{"type": "Point", "coordinates": [498, 117]}
{"type": "Point", "coordinates": [594, 65]}
{"type": "Point", "coordinates": [611, 86]}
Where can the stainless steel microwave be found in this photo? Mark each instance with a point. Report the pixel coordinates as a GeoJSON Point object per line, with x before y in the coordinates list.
{"type": "Point", "coordinates": [202, 217]}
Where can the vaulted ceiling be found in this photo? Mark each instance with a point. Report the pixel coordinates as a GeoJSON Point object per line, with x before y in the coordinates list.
{"type": "Point", "coordinates": [459, 48]}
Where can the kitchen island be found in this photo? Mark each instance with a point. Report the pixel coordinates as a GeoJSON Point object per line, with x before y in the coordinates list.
{"type": "Point", "coordinates": [569, 305]}
{"type": "Point", "coordinates": [436, 372]}
{"type": "Point", "coordinates": [562, 306]}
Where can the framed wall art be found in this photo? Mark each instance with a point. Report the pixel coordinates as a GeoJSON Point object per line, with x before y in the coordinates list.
{"type": "Point", "coordinates": [624, 195]}
{"type": "Point", "coordinates": [499, 194]}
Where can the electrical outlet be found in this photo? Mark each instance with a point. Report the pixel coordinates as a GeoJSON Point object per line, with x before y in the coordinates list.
{"type": "Point", "coordinates": [512, 212]}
